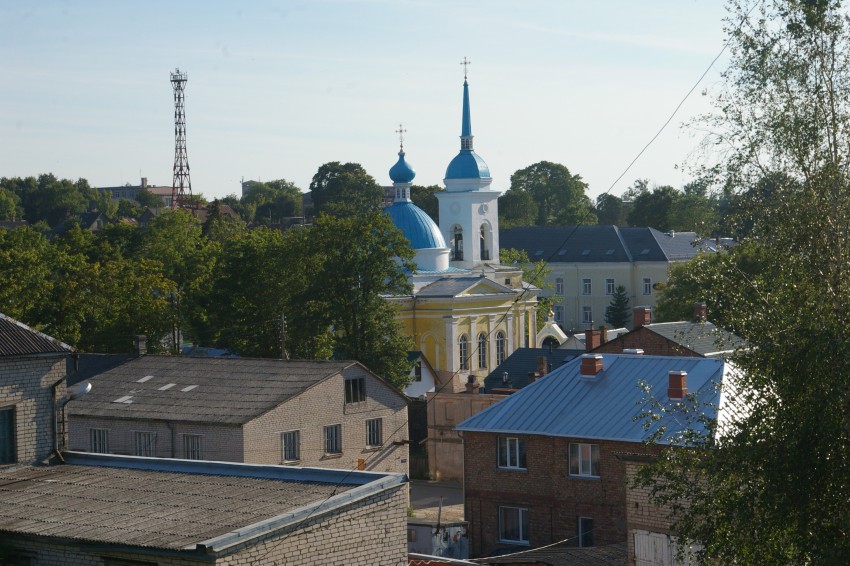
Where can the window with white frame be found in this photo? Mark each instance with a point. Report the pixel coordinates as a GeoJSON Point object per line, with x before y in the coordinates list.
{"type": "Point", "coordinates": [513, 525]}
{"type": "Point", "coordinates": [192, 447]}
{"type": "Point", "coordinates": [482, 351]}
{"type": "Point", "coordinates": [584, 460]}
{"type": "Point", "coordinates": [559, 285]}
{"type": "Point", "coordinates": [586, 287]}
{"type": "Point", "coordinates": [290, 446]}
{"type": "Point", "coordinates": [559, 313]}
{"type": "Point", "coordinates": [463, 351]}
{"type": "Point", "coordinates": [609, 286]}
{"type": "Point", "coordinates": [99, 440]}
{"type": "Point", "coordinates": [145, 443]}
{"type": "Point", "coordinates": [374, 432]}
{"type": "Point", "coordinates": [7, 435]}
{"type": "Point", "coordinates": [333, 439]}
{"type": "Point", "coordinates": [587, 314]}
{"type": "Point", "coordinates": [355, 390]}
{"type": "Point", "coordinates": [501, 347]}
{"type": "Point", "coordinates": [511, 452]}
{"type": "Point", "coordinates": [647, 286]}
{"type": "Point", "coordinates": [585, 532]}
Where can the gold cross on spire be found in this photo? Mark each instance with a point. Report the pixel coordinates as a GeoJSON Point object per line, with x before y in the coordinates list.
{"type": "Point", "coordinates": [401, 131]}
{"type": "Point", "coordinates": [465, 64]}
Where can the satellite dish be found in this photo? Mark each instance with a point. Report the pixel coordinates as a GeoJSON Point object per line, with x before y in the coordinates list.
{"type": "Point", "coordinates": [78, 390]}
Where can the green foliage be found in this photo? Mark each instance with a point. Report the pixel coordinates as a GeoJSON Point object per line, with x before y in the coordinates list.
{"type": "Point", "coordinates": [618, 313]}
{"type": "Point", "coordinates": [610, 210]}
{"type": "Point", "coordinates": [653, 208]}
{"type": "Point", "coordinates": [344, 189]}
{"type": "Point", "coordinates": [273, 201]}
{"type": "Point", "coordinates": [559, 195]}
{"type": "Point", "coordinates": [149, 200]}
{"type": "Point", "coordinates": [129, 209]}
{"type": "Point", "coordinates": [106, 205]}
{"type": "Point", "coordinates": [533, 273]}
{"type": "Point", "coordinates": [517, 208]}
{"type": "Point", "coordinates": [426, 199]}
{"type": "Point", "coordinates": [9, 209]}
{"type": "Point", "coordinates": [48, 198]}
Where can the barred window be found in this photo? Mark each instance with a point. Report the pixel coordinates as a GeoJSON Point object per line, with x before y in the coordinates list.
{"type": "Point", "coordinates": [99, 440]}
{"type": "Point", "coordinates": [355, 390]}
{"type": "Point", "coordinates": [145, 443]}
{"type": "Point", "coordinates": [192, 447]}
{"type": "Point", "coordinates": [333, 439]}
{"type": "Point", "coordinates": [7, 435]}
{"type": "Point", "coordinates": [290, 445]}
{"type": "Point", "coordinates": [374, 432]}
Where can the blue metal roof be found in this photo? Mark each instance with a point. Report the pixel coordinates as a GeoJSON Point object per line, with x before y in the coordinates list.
{"type": "Point", "coordinates": [416, 225]}
{"type": "Point", "coordinates": [402, 172]}
{"type": "Point", "coordinates": [602, 407]}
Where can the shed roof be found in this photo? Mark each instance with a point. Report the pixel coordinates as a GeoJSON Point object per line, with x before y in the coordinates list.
{"type": "Point", "coordinates": [212, 390]}
{"type": "Point", "coordinates": [604, 407]}
{"type": "Point", "coordinates": [18, 339]}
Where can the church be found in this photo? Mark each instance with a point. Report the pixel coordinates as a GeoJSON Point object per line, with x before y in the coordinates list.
{"type": "Point", "coordinates": [466, 313]}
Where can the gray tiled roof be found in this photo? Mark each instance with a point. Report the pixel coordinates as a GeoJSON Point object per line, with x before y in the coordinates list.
{"type": "Point", "coordinates": [165, 504]}
{"type": "Point", "coordinates": [593, 244]}
{"type": "Point", "coordinates": [18, 339]}
{"type": "Point", "coordinates": [454, 286]}
{"type": "Point", "coordinates": [520, 363]}
{"type": "Point", "coordinates": [219, 390]}
{"type": "Point", "coordinates": [701, 337]}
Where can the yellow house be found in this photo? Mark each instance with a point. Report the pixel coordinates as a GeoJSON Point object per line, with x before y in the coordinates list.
{"type": "Point", "coordinates": [466, 313]}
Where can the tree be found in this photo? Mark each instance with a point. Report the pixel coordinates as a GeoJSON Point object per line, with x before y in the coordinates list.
{"type": "Point", "coordinates": [610, 210]}
{"type": "Point", "coordinates": [149, 200]}
{"type": "Point", "coordinates": [272, 201]}
{"type": "Point", "coordinates": [129, 209]}
{"type": "Point", "coordinates": [106, 205]}
{"type": "Point", "coordinates": [695, 210]}
{"type": "Point", "coordinates": [425, 197]}
{"type": "Point", "coordinates": [771, 486]}
{"type": "Point", "coordinates": [48, 198]}
{"type": "Point", "coordinates": [534, 274]}
{"type": "Point", "coordinates": [560, 195]}
{"type": "Point", "coordinates": [344, 189]}
{"type": "Point", "coordinates": [618, 314]}
{"type": "Point", "coordinates": [517, 208]}
{"type": "Point", "coordinates": [652, 208]}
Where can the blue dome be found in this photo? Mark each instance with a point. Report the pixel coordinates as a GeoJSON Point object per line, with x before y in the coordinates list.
{"type": "Point", "coordinates": [402, 172]}
{"type": "Point", "coordinates": [416, 225]}
{"type": "Point", "coordinates": [467, 165]}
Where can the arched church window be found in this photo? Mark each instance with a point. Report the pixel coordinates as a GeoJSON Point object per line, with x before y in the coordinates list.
{"type": "Point", "coordinates": [486, 238]}
{"type": "Point", "coordinates": [501, 347]}
{"type": "Point", "coordinates": [457, 243]}
{"type": "Point", "coordinates": [463, 351]}
{"type": "Point", "coordinates": [482, 351]}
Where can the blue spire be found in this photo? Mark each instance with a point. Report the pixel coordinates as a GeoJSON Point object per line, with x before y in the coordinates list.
{"type": "Point", "coordinates": [466, 129]}
{"type": "Point", "coordinates": [467, 164]}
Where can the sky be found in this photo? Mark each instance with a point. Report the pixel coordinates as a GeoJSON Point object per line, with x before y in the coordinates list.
{"type": "Point", "coordinates": [276, 89]}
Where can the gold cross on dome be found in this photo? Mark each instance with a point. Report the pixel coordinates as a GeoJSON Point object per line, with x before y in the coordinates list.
{"type": "Point", "coordinates": [401, 131]}
{"type": "Point", "coordinates": [465, 64]}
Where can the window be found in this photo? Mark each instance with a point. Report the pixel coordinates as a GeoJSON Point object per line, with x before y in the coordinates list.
{"type": "Point", "coordinates": [513, 525]}
{"type": "Point", "coordinates": [609, 286]}
{"type": "Point", "coordinates": [511, 452]}
{"type": "Point", "coordinates": [482, 351]}
{"type": "Point", "coordinates": [192, 447]}
{"type": "Point", "coordinates": [500, 347]}
{"type": "Point", "coordinates": [7, 435]}
{"type": "Point", "coordinates": [98, 440]}
{"type": "Point", "coordinates": [374, 432]}
{"type": "Point", "coordinates": [559, 285]}
{"type": "Point", "coordinates": [145, 444]}
{"type": "Point", "coordinates": [463, 352]}
{"type": "Point", "coordinates": [587, 314]}
{"type": "Point", "coordinates": [584, 460]}
{"type": "Point", "coordinates": [333, 439]}
{"type": "Point", "coordinates": [585, 532]}
{"type": "Point", "coordinates": [417, 371]}
{"type": "Point", "coordinates": [559, 313]}
{"type": "Point", "coordinates": [290, 446]}
{"type": "Point", "coordinates": [647, 286]}
{"type": "Point", "coordinates": [355, 390]}
{"type": "Point", "coordinates": [586, 287]}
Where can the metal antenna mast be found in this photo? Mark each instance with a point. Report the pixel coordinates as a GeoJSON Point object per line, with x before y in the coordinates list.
{"type": "Point", "coordinates": [181, 192]}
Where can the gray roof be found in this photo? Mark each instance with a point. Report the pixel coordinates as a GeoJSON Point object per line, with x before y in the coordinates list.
{"type": "Point", "coordinates": [170, 504]}
{"type": "Point", "coordinates": [521, 362]}
{"type": "Point", "coordinates": [701, 337]}
{"type": "Point", "coordinates": [565, 554]}
{"type": "Point", "coordinates": [593, 244]}
{"type": "Point", "coordinates": [18, 339]}
{"type": "Point", "coordinates": [454, 286]}
{"type": "Point", "coordinates": [218, 390]}
{"type": "Point", "coordinates": [603, 407]}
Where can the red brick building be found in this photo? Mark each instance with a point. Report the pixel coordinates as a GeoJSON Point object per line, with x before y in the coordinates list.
{"type": "Point", "coordinates": [544, 465]}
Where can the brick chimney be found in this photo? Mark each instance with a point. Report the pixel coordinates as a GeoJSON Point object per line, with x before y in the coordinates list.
{"type": "Point", "coordinates": [677, 386]}
{"type": "Point", "coordinates": [591, 364]}
{"type": "Point", "coordinates": [141, 344]}
{"type": "Point", "coordinates": [603, 334]}
{"type": "Point", "coordinates": [700, 312]}
{"type": "Point", "coordinates": [592, 339]}
{"type": "Point", "coordinates": [542, 366]}
{"type": "Point", "coordinates": [641, 316]}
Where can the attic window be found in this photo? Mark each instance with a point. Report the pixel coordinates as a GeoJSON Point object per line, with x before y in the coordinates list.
{"type": "Point", "coordinates": [124, 399]}
{"type": "Point", "coordinates": [144, 379]}
{"type": "Point", "coordinates": [563, 251]}
{"type": "Point", "coordinates": [167, 386]}
{"type": "Point", "coordinates": [538, 252]}
{"type": "Point", "coordinates": [189, 388]}
{"type": "Point", "coordinates": [610, 252]}
{"type": "Point", "coordinates": [585, 252]}
{"type": "Point", "coordinates": [645, 251]}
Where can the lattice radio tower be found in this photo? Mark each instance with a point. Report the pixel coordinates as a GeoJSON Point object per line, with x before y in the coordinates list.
{"type": "Point", "coordinates": [181, 192]}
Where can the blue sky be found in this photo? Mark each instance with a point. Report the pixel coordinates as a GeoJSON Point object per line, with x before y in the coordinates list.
{"type": "Point", "coordinates": [278, 88]}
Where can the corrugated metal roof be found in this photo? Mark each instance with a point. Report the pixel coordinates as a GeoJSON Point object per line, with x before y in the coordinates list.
{"type": "Point", "coordinates": [702, 337]}
{"type": "Point", "coordinates": [603, 407]}
{"type": "Point", "coordinates": [229, 390]}
{"type": "Point", "coordinates": [18, 339]}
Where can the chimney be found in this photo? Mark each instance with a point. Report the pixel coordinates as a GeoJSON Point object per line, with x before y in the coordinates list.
{"type": "Point", "coordinates": [542, 366]}
{"type": "Point", "coordinates": [641, 316]}
{"type": "Point", "coordinates": [700, 312]}
{"type": "Point", "coordinates": [472, 386]}
{"type": "Point", "coordinates": [677, 384]}
{"type": "Point", "coordinates": [141, 345]}
{"type": "Point", "coordinates": [603, 334]}
{"type": "Point", "coordinates": [591, 364]}
{"type": "Point", "coordinates": [591, 340]}
{"type": "Point", "coordinates": [144, 182]}
{"type": "Point", "coordinates": [633, 351]}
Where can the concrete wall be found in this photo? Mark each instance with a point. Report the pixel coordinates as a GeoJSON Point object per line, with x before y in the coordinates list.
{"type": "Point", "coordinates": [26, 383]}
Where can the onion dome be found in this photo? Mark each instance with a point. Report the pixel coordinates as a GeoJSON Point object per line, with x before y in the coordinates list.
{"type": "Point", "coordinates": [402, 172]}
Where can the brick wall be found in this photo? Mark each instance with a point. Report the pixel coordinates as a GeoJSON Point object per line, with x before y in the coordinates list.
{"type": "Point", "coordinates": [651, 343]}
{"type": "Point", "coordinates": [554, 499]}
{"type": "Point", "coordinates": [26, 383]}
{"type": "Point", "coordinates": [641, 514]}
{"type": "Point", "coordinates": [372, 531]}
